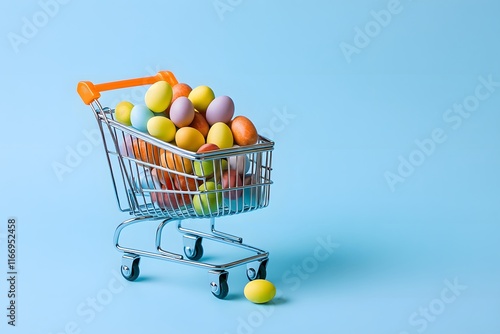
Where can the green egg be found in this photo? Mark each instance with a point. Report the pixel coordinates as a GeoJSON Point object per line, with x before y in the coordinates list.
{"type": "Point", "coordinates": [207, 203]}
{"type": "Point", "coordinates": [203, 168]}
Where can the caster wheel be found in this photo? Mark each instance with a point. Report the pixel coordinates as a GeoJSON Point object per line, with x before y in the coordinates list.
{"type": "Point", "coordinates": [258, 271]}
{"type": "Point", "coordinates": [130, 267]}
{"type": "Point", "coordinates": [219, 286]}
{"type": "Point", "coordinates": [194, 252]}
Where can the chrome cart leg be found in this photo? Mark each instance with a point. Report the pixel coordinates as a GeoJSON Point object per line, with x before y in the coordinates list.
{"type": "Point", "coordinates": [130, 266]}
{"type": "Point", "coordinates": [218, 283]}
{"type": "Point", "coordinates": [257, 269]}
{"type": "Point", "coordinates": [214, 235]}
{"type": "Point", "coordinates": [159, 231]}
{"type": "Point", "coordinates": [119, 229]}
{"type": "Point", "coordinates": [223, 234]}
{"type": "Point", "coordinates": [192, 247]}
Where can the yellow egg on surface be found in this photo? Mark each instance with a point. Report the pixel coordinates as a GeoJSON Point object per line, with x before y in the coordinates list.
{"type": "Point", "coordinates": [158, 96]}
{"type": "Point", "coordinates": [259, 291]}
{"type": "Point", "coordinates": [220, 134]}
{"type": "Point", "coordinates": [189, 139]}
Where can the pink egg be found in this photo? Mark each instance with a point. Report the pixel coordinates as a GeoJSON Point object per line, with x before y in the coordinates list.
{"type": "Point", "coordinates": [221, 109]}
{"type": "Point", "coordinates": [182, 112]}
{"type": "Point", "coordinates": [231, 179]}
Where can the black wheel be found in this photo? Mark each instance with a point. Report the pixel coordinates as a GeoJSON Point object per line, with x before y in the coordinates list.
{"type": "Point", "coordinates": [131, 273]}
{"type": "Point", "coordinates": [218, 284]}
{"type": "Point", "coordinates": [221, 290]}
{"type": "Point", "coordinates": [194, 253]}
{"type": "Point", "coordinates": [260, 273]}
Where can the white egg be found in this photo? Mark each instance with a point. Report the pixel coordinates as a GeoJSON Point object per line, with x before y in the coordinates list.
{"type": "Point", "coordinates": [240, 163]}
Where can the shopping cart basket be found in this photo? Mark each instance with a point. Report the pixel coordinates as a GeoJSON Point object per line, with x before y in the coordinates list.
{"type": "Point", "coordinates": [157, 181]}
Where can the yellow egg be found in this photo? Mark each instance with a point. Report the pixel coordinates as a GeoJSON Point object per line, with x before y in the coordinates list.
{"type": "Point", "coordinates": [158, 96]}
{"type": "Point", "coordinates": [122, 112]}
{"type": "Point", "coordinates": [189, 139]}
{"type": "Point", "coordinates": [162, 128]}
{"type": "Point", "coordinates": [201, 97]}
{"type": "Point", "coordinates": [259, 291]}
{"type": "Point", "coordinates": [220, 134]}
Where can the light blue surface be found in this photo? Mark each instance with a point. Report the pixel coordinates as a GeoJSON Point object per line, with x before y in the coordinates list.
{"type": "Point", "coordinates": [342, 124]}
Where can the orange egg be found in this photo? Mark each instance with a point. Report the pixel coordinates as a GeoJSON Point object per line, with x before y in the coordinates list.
{"type": "Point", "coordinates": [165, 178]}
{"type": "Point", "coordinates": [187, 184]}
{"type": "Point", "coordinates": [146, 152]}
{"type": "Point", "coordinates": [244, 132]}
{"type": "Point", "coordinates": [180, 89]}
{"type": "Point", "coordinates": [189, 139]}
{"type": "Point", "coordinates": [175, 162]}
{"type": "Point", "coordinates": [200, 123]}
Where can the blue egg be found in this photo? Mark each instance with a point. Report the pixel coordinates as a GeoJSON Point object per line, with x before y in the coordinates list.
{"type": "Point", "coordinates": [139, 117]}
{"type": "Point", "coordinates": [147, 180]}
{"type": "Point", "coordinates": [235, 205]}
{"type": "Point", "coordinates": [250, 198]}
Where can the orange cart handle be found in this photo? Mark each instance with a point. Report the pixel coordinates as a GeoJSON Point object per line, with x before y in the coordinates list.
{"type": "Point", "coordinates": [90, 92]}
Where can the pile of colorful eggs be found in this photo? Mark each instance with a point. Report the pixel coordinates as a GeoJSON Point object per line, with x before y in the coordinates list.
{"type": "Point", "coordinates": [197, 121]}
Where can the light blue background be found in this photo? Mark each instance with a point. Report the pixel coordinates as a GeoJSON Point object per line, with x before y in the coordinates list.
{"type": "Point", "coordinates": [349, 123]}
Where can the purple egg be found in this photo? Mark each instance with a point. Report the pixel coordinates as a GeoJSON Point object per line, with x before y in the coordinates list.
{"type": "Point", "coordinates": [221, 109]}
{"type": "Point", "coordinates": [182, 112]}
{"type": "Point", "coordinates": [126, 146]}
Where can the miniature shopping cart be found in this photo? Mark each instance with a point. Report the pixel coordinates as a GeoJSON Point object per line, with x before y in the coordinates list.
{"type": "Point", "coordinates": [157, 181]}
